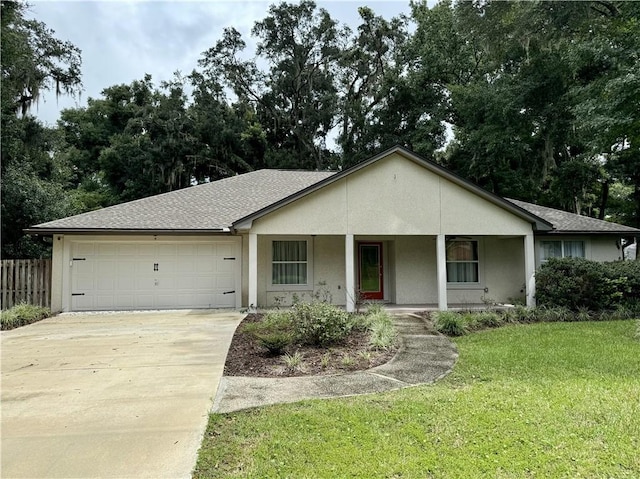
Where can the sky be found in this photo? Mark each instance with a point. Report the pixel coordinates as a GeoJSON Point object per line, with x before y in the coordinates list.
{"type": "Point", "coordinates": [122, 40]}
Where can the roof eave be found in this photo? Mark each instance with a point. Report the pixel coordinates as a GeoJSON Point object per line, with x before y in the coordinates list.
{"type": "Point", "coordinates": [124, 231]}
{"type": "Point", "coordinates": [592, 233]}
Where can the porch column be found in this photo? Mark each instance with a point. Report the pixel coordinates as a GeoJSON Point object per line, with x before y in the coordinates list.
{"type": "Point", "coordinates": [530, 270]}
{"type": "Point", "coordinates": [441, 268]}
{"type": "Point", "coordinates": [253, 271]}
{"type": "Point", "coordinates": [349, 268]}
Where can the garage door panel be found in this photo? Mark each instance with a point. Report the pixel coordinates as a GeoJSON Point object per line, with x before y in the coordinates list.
{"type": "Point", "coordinates": [120, 275]}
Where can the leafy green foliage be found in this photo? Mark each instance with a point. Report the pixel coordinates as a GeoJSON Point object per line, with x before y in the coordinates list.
{"type": "Point", "coordinates": [22, 314]}
{"type": "Point", "coordinates": [34, 181]}
{"type": "Point", "coordinates": [577, 283]}
{"type": "Point", "coordinates": [383, 333]}
{"type": "Point", "coordinates": [450, 323]}
{"type": "Point", "coordinates": [318, 323]}
{"type": "Point", "coordinates": [275, 332]}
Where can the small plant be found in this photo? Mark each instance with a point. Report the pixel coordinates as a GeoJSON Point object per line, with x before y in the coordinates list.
{"type": "Point", "coordinates": [274, 333]}
{"type": "Point", "coordinates": [583, 314]}
{"type": "Point", "coordinates": [552, 314]}
{"type": "Point", "coordinates": [450, 323]}
{"type": "Point", "coordinates": [509, 316]}
{"type": "Point", "coordinates": [293, 362]}
{"type": "Point", "coordinates": [22, 314]}
{"type": "Point", "coordinates": [524, 314]}
{"type": "Point", "coordinates": [489, 319]}
{"type": "Point", "coordinates": [383, 334]}
{"type": "Point", "coordinates": [366, 355]}
{"type": "Point", "coordinates": [622, 312]}
{"type": "Point", "coordinates": [325, 360]}
{"type": "Point", "coordinates": [374, 308]}
{"type": "Point", "coordinates": [347, 361]}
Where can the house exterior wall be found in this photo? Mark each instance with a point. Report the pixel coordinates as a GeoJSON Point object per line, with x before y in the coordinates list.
{"type": "Point", "coordinates": [596, 247]}
{"type": "Point", "coordinates": [327, 279]}
{"type": "Point", "coordinates": [605, 248]}
{"type": "Point", "coordinates": [57, 277]}
{"type": "Point", "coordinates": [409, 271]}
{"type": "Point", "coordinates": [407, 199]}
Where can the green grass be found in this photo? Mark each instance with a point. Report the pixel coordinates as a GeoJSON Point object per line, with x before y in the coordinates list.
{"type": "Point", "coordinates": [538, 400]}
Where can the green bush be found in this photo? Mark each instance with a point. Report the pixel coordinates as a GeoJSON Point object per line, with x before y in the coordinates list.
{"type": "Point", "coordinates": [275, 332]}
{"type": "Point", "coordinates": [450, 323]}
{"type": "Point", "coordinates": [320, 324]}
{"type": "Point", "coordinates": [22, 314]}
{"type": "Point", "coordinates": [575, 283]}
{"type": "Point", "coordinates": [627, 273]}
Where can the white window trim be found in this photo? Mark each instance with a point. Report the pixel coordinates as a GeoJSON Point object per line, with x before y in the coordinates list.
{"type": "Point", "coordinates": [292, 287]}
{"type": "Point", "coordinates": [479, 283]}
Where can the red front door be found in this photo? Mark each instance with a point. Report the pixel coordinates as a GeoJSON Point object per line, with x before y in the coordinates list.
{"type": "Point", "coordinates": [370, 279]}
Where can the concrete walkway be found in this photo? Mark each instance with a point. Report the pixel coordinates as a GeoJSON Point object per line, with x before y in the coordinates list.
{"type": "Point", "coordinates": [110, 395]}
{"type": "Point", "coordinates": [423, 358]}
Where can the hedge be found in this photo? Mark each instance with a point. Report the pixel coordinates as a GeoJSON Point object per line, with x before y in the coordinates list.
{"type": "Point", "coordinates": [577, 283]}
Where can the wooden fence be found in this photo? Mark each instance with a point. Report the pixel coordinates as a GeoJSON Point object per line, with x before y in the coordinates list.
{"type": "Point", "coordinates": [25, 280]}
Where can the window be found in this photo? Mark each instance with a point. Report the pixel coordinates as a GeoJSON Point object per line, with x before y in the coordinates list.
{"type": "Point", "coordinates": [462, 261]}
{"type": "Point", "coordinates": [290, 265]}
{"type": "Point", "coordinates": [561, 249]}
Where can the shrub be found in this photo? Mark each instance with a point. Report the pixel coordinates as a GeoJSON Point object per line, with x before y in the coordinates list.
{"type": "Point", "coordinates": [21, 315]}
{"type": "Point", "coordinates": [320, 324]}
{"type": "Point", "coordinates": [627, 276]}
{"type": "Point", "coordinates": [576, 282]}
{"type": "Point", "coordinates": [275, 332]}
{"type": "Point", "coordinates": [489, 319]}
{"type": "Point", "coordinates": [450, 323]}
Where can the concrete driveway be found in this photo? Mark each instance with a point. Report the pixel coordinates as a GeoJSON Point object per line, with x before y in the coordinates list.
{"type": "Point", "coordinates": [110, 395]}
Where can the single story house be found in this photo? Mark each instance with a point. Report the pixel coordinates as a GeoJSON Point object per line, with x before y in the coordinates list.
{"type": "Point", "coordinates": [395, 228]}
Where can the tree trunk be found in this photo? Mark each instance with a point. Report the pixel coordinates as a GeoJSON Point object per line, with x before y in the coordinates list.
{"type": "Point", "coordinates": [604, 199]}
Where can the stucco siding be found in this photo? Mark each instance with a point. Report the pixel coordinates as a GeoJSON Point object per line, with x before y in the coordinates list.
{"type": "Point", "coordinates": [504, 271]}
{"type": "Point", "coordinates": [596, 248]}
{"type": "Point", "coordinates": [464, 213]}
{"type": "Point", "coordinates": [605, 248]}
{"type": "Point", "coordinates": [327, 277]}
{"type": "Point", "coordinates": [394, 196]}
{"type": "Point", "coordinates": [415, 270]}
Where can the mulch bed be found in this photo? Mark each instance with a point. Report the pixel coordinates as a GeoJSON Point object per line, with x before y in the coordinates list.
{"type": "Point", "coordinates": [247, 358]}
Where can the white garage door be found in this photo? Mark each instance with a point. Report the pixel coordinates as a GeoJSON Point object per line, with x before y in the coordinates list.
{"type": "Point", "coordinates": [122, 276]}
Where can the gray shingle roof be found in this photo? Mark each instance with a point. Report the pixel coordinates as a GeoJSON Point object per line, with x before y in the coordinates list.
{"type": "Point", "coordinates": [206, 207]}
{"type": "Point", "coordinates": [216, 206]}
{"type": "Point", "coordinates": [565, 222]}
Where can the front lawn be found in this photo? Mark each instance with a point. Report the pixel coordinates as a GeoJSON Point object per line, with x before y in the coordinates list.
{"type": "Point", "coordinates": [538, 400]}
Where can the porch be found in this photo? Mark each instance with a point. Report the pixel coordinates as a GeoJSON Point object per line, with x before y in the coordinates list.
{"type": "Point", "coordinates": [405, 272]}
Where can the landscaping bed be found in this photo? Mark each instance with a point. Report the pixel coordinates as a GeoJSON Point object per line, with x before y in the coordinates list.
{"type": "Point", "coordinates": [246, 357]}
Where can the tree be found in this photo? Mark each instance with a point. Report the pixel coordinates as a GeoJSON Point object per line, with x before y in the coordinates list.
{"type": "Point", "coordinates": [296, 99]}
{"type": "Point", "coordinates": [525, 83]}
{"type": "Point", "coordinates": [33, 61]}
{"type": "Point", "coordinates": [33, 181]}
